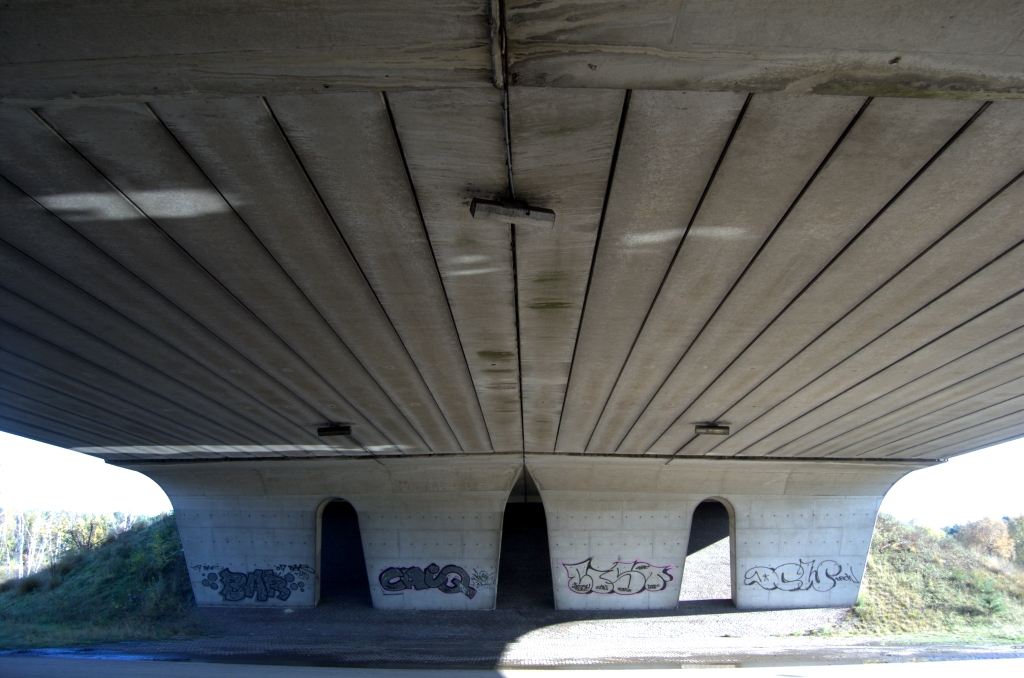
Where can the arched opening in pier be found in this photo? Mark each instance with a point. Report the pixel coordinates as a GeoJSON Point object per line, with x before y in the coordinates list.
{"type": "Point", "coordinates": [710, 553]}
{"type": "Point", "coordinates": [524, 569]}
{"type": "Point", "coordinates": [341, 567]}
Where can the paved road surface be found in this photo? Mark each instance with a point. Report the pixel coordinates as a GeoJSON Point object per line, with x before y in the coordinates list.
{"type": "Point", "coordinates": [46, 667]}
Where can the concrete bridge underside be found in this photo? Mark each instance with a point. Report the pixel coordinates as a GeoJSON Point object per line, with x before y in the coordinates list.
{"type": "Point", "coordinates": [225, 226]}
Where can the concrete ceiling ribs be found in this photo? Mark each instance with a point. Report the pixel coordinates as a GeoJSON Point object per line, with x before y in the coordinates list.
{"type": "Point", "coordinates": [806, 227]}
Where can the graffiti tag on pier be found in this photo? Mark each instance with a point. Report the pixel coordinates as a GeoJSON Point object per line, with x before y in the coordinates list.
{"type": "Point", "coordinates": [447, 579]}
{"type": "Point", "coordinates": [802, 576]}
{"type": "Point", "coordinates": [622, 578]}
{"type": "Point", "coordinates": [259, 584]}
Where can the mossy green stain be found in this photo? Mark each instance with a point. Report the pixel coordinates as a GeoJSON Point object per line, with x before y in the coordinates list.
{"type": "Point", "coordinates": [563, 131]}
{"type": "Point", "coordinates": [551, 277]}
{"type": "Point", "coordinates": [548, 305]}
{"type": "Point", "coordinates": [496, 355]}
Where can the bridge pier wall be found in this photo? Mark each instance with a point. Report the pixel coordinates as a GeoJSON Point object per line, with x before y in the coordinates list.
{"type": "Point", "coordinates": [250, 535]}
{"type": "Point", "coordinates": [799, 531]}
{"type": "Point", "coordinates": [618, 527]}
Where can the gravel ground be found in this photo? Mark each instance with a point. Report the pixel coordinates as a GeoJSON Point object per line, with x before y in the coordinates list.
{"type": "Point", "coordinates": [706, 633]}
{"type": "Point", "coordinates": [706, 575]}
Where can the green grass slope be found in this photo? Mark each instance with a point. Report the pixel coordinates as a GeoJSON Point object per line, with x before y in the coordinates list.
{"type": "Point", "coordinates": [132, 587]}
{"type": "Point", "coordinates": [921, 582]}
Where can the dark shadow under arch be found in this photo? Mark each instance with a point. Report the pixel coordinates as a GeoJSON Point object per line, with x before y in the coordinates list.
{"type": "Point", "coordinates": [342, 568]}
{"type": "Point", "coordinates": [524, 570]}
{"type": "Point", "coordinates": [708, 574]}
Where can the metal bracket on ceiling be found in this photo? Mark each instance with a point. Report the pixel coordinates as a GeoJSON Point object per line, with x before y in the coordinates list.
{"type": "Point", "coordinates": [511, 211]}
{"type": "Point", "coordinates": [334, 430]}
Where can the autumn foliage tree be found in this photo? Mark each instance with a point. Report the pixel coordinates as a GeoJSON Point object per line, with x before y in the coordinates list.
{"type": "Point", "coordinates": [987, 536]}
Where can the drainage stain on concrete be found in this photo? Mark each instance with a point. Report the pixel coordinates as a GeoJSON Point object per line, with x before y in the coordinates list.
{"type": "Point", "coordinates": [551, 277]}
{"type": "Point", "coordinates": [496, 355]}
{"type": "Point", "coordinates": [545, 304]}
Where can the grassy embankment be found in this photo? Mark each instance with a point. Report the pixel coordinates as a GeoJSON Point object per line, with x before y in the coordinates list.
{"type": "Point", "coordinates": [921, 583]}
{"type": "Point", "coordinates": [133, 586]}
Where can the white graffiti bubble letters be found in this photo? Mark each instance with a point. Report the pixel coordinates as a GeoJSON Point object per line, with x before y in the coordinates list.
{"type": "Point", "coordinates": [802, 576]}
{"type": "Point", "coordinates": [622, 578]}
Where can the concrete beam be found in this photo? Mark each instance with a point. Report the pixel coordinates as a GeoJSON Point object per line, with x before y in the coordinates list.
{"type": "Point", "coordinates": [770, 160]}
{"type": "Point", "coordinates": [347, 144]}
{"type": "Point", "coordinates": [69, 51]}
{"type": "Point", "coordinates": [956, 48]}
{"type": "Point", "coordinates": [952, 221]}
{"type": "Point", "coordinates": [994, 359]}
{"type": "Point", "coordinates": [61, 50]}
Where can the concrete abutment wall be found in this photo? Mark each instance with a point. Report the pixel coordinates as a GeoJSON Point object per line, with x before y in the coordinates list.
{"type": "Point", "coordinates": [618, 527]}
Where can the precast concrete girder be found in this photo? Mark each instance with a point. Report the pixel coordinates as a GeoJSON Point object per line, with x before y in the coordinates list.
{"type": "Point", "coordinates": [774, 262]}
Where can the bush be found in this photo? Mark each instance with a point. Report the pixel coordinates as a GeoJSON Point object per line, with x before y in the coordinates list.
{"type": "Point", "coordinates": [924, 582]}
{"type": "Point", "coordinates": [29, 584]}
{"type": "Point", "coordinates": [987, 536]}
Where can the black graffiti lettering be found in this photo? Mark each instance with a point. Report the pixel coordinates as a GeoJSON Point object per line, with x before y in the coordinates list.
{"type": "Point", "coordinates": [414, 578]}
{"type": "Point", "coordinates": [802, 576]}
{"type": "Point", "coordinates": [447, 579]}
{"type": "Point", "coordinates": [391, 579]}
{"type": "Point", "coordinates": [456, 580]}
{"type": "Point", "coordinates": [624, 578]}
{"type": "Point", "coordinates": [432, 577]}
{"type": "Point", "coordinates": [278, 586]}
{"type": "Point", "coordinates": [259, 584]}
{"type": "Point", "coordinates": [232, 585]}
{"type": "Point", "coordinates": [254, 585]}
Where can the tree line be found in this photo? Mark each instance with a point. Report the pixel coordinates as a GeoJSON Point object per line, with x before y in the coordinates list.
{"type": "Point", "coordinates": [32, 541]}
{"type": "Point", "coordinates": [1003, 539]}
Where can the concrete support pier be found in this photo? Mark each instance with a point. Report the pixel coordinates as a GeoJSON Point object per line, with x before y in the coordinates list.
{"type": "Point", "coordinates": [430, 527]}
{"type": "Point", "coordinates": [799, 530]}
{"type": "Point", "coordinates": [618, 527]}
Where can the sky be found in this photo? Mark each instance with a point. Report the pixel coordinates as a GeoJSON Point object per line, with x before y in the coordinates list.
{"type": "Point", "coordinates": [34, 475]}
